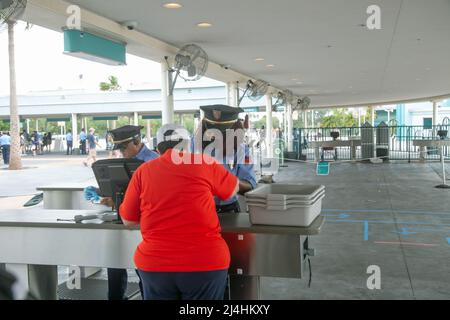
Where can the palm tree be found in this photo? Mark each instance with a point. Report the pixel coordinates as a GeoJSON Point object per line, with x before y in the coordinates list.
{"type": "Point", "coordinates": [10, 12]}
{"type": "Point", "coordinates": [15, 162]}
{"type": "Point", "coordinates": [112, 85]}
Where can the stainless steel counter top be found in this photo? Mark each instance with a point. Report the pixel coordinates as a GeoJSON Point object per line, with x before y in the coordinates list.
{"type": "Point", "coordinates": [233, 222]}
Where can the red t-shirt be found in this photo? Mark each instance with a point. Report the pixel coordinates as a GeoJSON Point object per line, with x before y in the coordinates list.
{"type": "Point", "coordinates": [174, 204]}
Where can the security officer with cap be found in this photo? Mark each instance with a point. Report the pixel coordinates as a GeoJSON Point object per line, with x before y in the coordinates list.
{"type": "Point", "coordinates": [238, 162]}
{"type": "Point", "coordinates": [128, 140]}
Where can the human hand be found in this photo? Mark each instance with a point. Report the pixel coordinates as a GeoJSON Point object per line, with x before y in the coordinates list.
{"type": "Point", "coordinates": [90, 194]}
{"type": "Point", "coordinates": [107, 201]}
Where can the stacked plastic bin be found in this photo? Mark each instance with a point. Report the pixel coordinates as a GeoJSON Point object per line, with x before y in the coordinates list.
{"type": "Point", "coordinates": [285, 204]}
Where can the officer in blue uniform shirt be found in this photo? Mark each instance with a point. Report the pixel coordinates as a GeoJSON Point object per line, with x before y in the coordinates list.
{"type": "Point", "coordinates": [237, 161]}
{"type": "Point", "coordinates": [128, 140]}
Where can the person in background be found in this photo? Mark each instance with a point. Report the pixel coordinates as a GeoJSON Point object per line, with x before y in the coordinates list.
{"type": "Point", "coordinates": [127, 140]}
{"type": "Point", "coordinates": [44, 142]}
{"type": "Point", "coordinates": [93, 143]}
{"type": "Point", "coordinates": [69, 141]}
{"type": "Point", "coordinates": [26, 141]}
{"type": "Point", "coordinates": [22, 144]}
{"type": "Point", "coordinates": [35, 142]}
{"type": "Point", "coordinates": [182, 255]}
{"type": "Point", "coordinates": [49, 141]}
{"type": "Point", "coordinates": [5, 145]}
{"type": "Point", "coordinates": [83, 141]}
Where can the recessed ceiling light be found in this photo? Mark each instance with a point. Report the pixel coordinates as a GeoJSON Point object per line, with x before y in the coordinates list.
{"type": "Point", "coordinates": [294, 79]}
{"type": "Point", "coordinates": [259, 59]}
{"type": "Point", "coordinates": [299, 82]}
{"type": "Point", "coordinates": [172, 5]}
{"type": "Point", "coordinates": [270, 66]}
{"type": "Point", "coordinates": [204, 25]}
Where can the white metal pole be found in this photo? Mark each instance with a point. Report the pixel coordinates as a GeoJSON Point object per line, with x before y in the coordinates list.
{"type": "Point", "coordinates": [373, 116]}
{"type": "Point", "coordinates": [28, 126]}
{"type": "Point", "coordinates": [289, 128]}
{"type": "Point", "coordinates": [305, 118]}
{"type": "Point", "coordinates": [435, 113]}
{"type": "Point", "coordinates": [443, 164]}
{"type": "Point", "coordinates": [167, 98]}
{"type": "Point", "coordinates": [149, 133]}
{"type": "Point", "coordinates": [269, 126]}
{"type": "Point", "coordinates": [136, 118]}
{"type": "Point", "coordinates": [232, 94]}
{"type": "Point", "coordinates": [359, 117]}
{"type": "Point", "coordinates": [74, 127]}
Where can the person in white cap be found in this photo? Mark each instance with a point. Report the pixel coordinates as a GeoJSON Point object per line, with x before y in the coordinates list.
{"type": "Point", "coordinates": [93, 143]}
{"type": "Point", "coordinates": [182, 254]}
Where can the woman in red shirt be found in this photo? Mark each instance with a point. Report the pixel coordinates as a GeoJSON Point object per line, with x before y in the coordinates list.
{"type": "Point", "coordinates": [182, 254]}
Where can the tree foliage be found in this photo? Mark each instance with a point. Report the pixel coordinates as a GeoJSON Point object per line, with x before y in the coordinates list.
{"type": "Point", "coordinates": [339, 118]}
{"type": "Point", "coordinates": [112, 85]}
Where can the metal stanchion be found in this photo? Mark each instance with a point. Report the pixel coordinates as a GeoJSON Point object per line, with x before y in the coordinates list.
{"type": "Point", "coordinates": [444, 185]}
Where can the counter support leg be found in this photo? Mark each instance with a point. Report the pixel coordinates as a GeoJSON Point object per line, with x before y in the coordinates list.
{"type": "Point", "coordinates": [422, 154]}
{"type": "Point", "coordinates": [41, 281]}
{"type": "Point", "coordinates": [244, 287]}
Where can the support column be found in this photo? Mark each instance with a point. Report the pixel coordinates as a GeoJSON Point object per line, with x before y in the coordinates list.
{"type": "Point", "coordinates": [28, 126]}
{"type": "Point", "coordinates": [359, 117]}
{"type": "Point", "coordinates": [167, 98]}
{"type": "Point", "coordinates": [312, 119]}
{"type": "Point", "coordinates": [196, 124]}
{"type": "Point", "coordinates": [305, 118]}
{"type": "Point", "coordinates": [290, 126]}
{"type": "Point", "coordinates": [136, 119]}
{"type": "Point", "coordinates": [435, 113]}
{"type": "Point", "coordinates": [37, 125]}
{"type": "Point", "coordinates": [269, 126]}
{"type": "Point", "coordinates": [372, 109]}
{"type": "Point", "coordinates": [149, 133]}
{"type": "Point", "coordinates": [232, 94]}
{"type": "Point", "coordinates": [114, 124]}
{"type": "Point", "coordinates": [75, 130]}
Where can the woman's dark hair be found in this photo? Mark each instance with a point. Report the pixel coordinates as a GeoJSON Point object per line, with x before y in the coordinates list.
{"type": "Point", "coordinates": [239, 124]}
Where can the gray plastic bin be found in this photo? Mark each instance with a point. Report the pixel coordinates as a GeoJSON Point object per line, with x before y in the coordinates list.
{"type": "Point", "coordinates": [285, 205]}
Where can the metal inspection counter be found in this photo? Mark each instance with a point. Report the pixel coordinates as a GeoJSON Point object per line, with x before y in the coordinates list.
{"type": "Point", "coordinates": [33, 243]}
{"type": "Point", "coordinates": [352, 143]}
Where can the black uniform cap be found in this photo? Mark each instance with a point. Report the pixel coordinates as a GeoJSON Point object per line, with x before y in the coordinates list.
{"type": "Point", "coordinates": [123, 135]}
{"type": "Point", "coordinates": [221, 114]}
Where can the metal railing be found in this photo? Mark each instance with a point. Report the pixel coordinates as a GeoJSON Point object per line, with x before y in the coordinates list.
{"type": "Point", "coordinates": [398, 141]}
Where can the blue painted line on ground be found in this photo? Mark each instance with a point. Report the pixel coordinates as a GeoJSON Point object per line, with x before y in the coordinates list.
{"type": "Point", "coordinates": [448, 241]}
{"type": "Point", "coordinates": [341, 216]}
{"type": "Point", "coordinates": [389, 222]}
{"type": "Point", "coordinates": [386, 211]}
{"type": "Point", "coordinates": [366, 230]}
